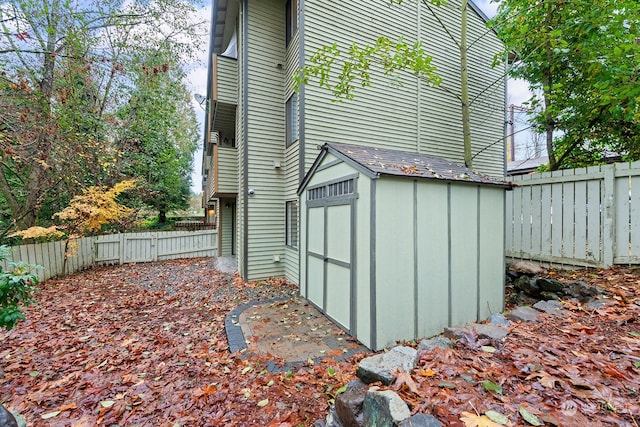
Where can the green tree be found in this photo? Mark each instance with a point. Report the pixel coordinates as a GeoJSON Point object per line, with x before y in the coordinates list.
{"type": "Point", "coordinates": [159, 126]}
{"type": "Point", "coordinates": [65, 67]}
{"type": "Point", "coordinates": [582, 62]}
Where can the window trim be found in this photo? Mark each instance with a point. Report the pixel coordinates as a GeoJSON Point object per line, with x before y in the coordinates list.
{"type": "Point", "coordinates": [292, 118]}
{"type": "Point", "coordinates": [291, 11]}
{"type": "Point", "coordinates": [291, 220]}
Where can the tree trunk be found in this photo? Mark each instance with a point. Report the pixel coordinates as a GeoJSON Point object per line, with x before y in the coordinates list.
{"type": "Point", "coordinates": [548, 90]}
{"type": "Point", "coordinates": [464, 86]}
{"type": "Point", "coordinates": [162, 216]}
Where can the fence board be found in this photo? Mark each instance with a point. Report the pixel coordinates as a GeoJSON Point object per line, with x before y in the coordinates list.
{"type": "Point", "coordinates": [588, 216]}
{"type": "Point", "coordinates": [113, 249]}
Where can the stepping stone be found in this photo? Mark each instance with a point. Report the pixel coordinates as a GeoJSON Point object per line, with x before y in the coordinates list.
{"type": "Point", "coordinates": [550, 307]}
{"type": "Point", "coordinates": [524, 314]}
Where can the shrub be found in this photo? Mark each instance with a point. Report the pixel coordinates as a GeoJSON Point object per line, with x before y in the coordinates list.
{"type": "Point", "coordinates": [17, 286]}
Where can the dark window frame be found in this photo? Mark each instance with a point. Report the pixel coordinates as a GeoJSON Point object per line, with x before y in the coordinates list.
{"type": "Point", "coordinates": [292, 119]}
{"type": "Point", "coordinates": [291, 224]}
{"type": "Point", "coordinates": [291, 9]}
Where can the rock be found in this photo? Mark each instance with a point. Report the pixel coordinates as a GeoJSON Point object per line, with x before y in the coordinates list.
{"type": "Point", "coordinates": [498, 319]}
{"type": "Point", "coordinates": [491, 332]}
{"type": "Point", "coordinates": [332, 419]}
{"type": "Point", "coordinates": [384, 408]}
{"type": "Point", "coordinates": [349, 404]}
{"type": "Point", "coordinates": [596, 304]}
{"type": "Point", "coordinates": [523, 314]}
{"type": "Point", "coordinates": [431, 344]}
{"type": "Point", "coordinates": [548, 295]}
{"type": "Point", "coordinates": [550, 285]}
{"type": "Point", "coordinates": [381, 367]}
{"type": "Point", "coordinates": [527, 267]}
{"type": "Point", "coordinates": [551, 307]}
{"type": "Point", "coordinates": [421, 420]}
{"type": "Point", "coordinates": [6, 418]}
{"type": "Point", "coordinates": [528, 285]}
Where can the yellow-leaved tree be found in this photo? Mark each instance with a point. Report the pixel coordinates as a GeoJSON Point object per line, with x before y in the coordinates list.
{"type": "Point", "coordinates": [86, 214]}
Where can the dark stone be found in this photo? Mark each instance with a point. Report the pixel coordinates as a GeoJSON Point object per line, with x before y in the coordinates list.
{"type": "Point", "coordinates": [491, 332]}
{"type": "Point", "coordinates": [498, 319]}
{"type": "Point", "coordinates": [384, 408]}
{"type": "Point", "coordinates": [596, 304]}
{"type": "Point", "coordinates": [582, 291]}
{"type": "Point", "coordinates": [349, 404]}
{"type": "Point", "coordinates": [528, 285]}
{"type": "Point", "coordinates": [433, 343]}
{"type": "Point", "coordinates": [550, 285]}
{"type": "Point", "coordinates": [523, 314]}
{"type": "Point", "coordinates": [421, 420]}
{"type": "Point", "coordinates": [548, 295]}
{"type": "Point", "coordinates": [551, 307]}
{"type": "Point", "coordinates": [381, 367]}
{"type": "Point", "coordinates": [332, 419]}
{"type": "Point", "coordinates": [6, 418]}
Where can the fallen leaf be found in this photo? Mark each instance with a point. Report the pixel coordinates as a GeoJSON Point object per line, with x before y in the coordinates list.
{"type": "Point", "coordinates": [474, 420]}
{"type": "Point", "coordinates": [529, 417]}
{"type": "Point", "coordinates": [49, 415]}
{"type": "Point", "coordinates": [404, 378]}
{"type": "Point", "coordinates": [497, 417]}
{"type": "Point", "coordinates": [491, 386]}
{"type": "Point", "coordinates": [107, 403]}
{"type": "Point", "coordinates": [263, 402]}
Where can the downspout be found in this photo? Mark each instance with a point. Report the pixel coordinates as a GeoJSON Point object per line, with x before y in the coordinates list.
{"type": "Point", "coordinates": [245, 139]}
{"type": "Point", "coordinates": [212, 40]}
{"type": "Point", "coordinates": [301, 137]}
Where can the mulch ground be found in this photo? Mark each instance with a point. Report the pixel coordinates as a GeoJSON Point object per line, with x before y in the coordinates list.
{"type": "Point", "coordinates": [144, 345]}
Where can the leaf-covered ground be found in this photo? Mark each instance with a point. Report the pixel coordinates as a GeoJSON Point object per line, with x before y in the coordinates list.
{"type": "Point", "coordinates": [578, 369]}
{"type": "Point", "coordinates": [144, 345]}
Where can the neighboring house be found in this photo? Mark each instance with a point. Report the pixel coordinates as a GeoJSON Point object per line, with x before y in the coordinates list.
{"type": "Point", "coordinates": [262, 137]}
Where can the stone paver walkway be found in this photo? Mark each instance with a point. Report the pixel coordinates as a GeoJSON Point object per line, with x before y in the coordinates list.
{"type": "Point", "coordinates": [290, 329]}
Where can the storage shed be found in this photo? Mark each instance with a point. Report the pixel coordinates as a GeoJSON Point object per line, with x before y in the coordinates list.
{"type": "Point", "coordinates": [398, 245]}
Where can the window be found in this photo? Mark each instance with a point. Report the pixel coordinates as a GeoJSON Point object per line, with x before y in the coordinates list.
{"type": "Point", "coordinates": [292, 20]}
{"type": "Point", "coordinates": [346, 187]}
{"type": "Point", "coordinates": [291, 224]}
{"type": "Point", "coordinates": [292, 119]}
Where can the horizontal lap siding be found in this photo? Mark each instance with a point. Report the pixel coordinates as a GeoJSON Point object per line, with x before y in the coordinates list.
{"type": "Point", "coordinates": [266, 137]}
{"type": "Point", "coordinates": [291, 167]}
{"type": "Point", "coordinates": [380, 115]}
{"type": "Point", "coordinates": [441, 115]}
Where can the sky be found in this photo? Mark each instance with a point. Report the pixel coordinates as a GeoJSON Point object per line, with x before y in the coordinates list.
{"type": "Point", "coordinates": [197, 84]}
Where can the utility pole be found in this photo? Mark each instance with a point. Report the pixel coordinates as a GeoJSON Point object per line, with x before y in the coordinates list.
{"type": "Point", "coordinates": [511, 155]}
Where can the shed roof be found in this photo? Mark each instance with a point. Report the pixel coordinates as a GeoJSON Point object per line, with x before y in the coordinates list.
{"type": "Point", "coordinates": [376, 162]}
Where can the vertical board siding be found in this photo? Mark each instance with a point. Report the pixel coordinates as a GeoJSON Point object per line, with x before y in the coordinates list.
{"type": "Point", "coordinates": [583, 217]}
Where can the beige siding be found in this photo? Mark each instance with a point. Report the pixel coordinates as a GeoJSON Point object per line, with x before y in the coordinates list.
{"type": "Point", "coordinates": [227, 83]}
{"type": "Point", "coordinates": [226, 225]}
{"type": "Point", "coordinates": [385, 114]}
{"type": "Point", "coordinates": [291, 186]}
{"type": "Point", "coordinates": [240, 111]}
{"type": "Point", "coordinates": [266, 137]}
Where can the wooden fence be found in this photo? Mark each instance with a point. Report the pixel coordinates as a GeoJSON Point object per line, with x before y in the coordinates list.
{"type": "Point", "coordinates": [581, 217]}
{"type": "Point", "coordinates": [115, 249]}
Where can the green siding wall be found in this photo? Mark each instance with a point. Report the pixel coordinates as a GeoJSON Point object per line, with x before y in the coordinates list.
{"type": "Point", "coordinates": [266, 133]}
{"type": "Point", "coordinates": [413, 117]}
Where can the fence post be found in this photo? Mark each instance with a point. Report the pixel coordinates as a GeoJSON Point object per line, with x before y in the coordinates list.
{"type": "Point", "coordinates": [154, 246]}
{"type": "Point", "coordinates": [123, 238]}
{"type": "Point", "coordinates": [608, 215]}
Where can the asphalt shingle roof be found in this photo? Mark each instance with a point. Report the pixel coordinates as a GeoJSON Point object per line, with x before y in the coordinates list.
{"type": "Point", "coordinates": [383, 161]}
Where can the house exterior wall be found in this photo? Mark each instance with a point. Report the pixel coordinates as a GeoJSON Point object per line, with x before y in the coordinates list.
{"type": "Point", "coordinates": [413, 117]}
{"type": "Point", "coordinates": [400, 113]}
{"type": "Point", "coordinates": [265, 138]}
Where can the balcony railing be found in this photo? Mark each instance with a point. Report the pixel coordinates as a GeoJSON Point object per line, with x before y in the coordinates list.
{"type": "Point", "coordinates": [225, 80]}
{"type": "Point", "coordinates": [222, 179]}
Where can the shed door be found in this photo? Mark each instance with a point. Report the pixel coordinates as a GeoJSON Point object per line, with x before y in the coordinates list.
{"type": "Point", "coordinates": [330, 238]}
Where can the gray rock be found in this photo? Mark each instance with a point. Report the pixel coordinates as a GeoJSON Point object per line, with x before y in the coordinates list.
{"type": "Point", "coordinates": [384, 408]}
{"type": "Point", "coordinates": [332, 419]}
{"type": "Point", "coordinates": [523, 314]}
{"type": "Point", "coordinates": [431, 344]}
{"type": "Point", "coordinates": [349, 404]}
{"type": "Point", "coordinates": [498, 319]}
{"type": "Point", "coordinates": [582, 291]}
{"type": "Point", "coordinates": [528, 285]}
{"type": "Point", "coordinates": [596, 304]}
{"type": "Point", "coordinates": [421, 420]}
{"type": "Point", "coordinates": [491, 332]}
{"type": "Point", "coordinates": [527, 267]}
{"type": "Point", "coordinates": [550, 285]}
{"type": "Point", "coordinates": [381, 367]}
{"type": "Point", "coordinates": [551, 307]}
{"type": "Point", "coordinates": [6, 418]}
